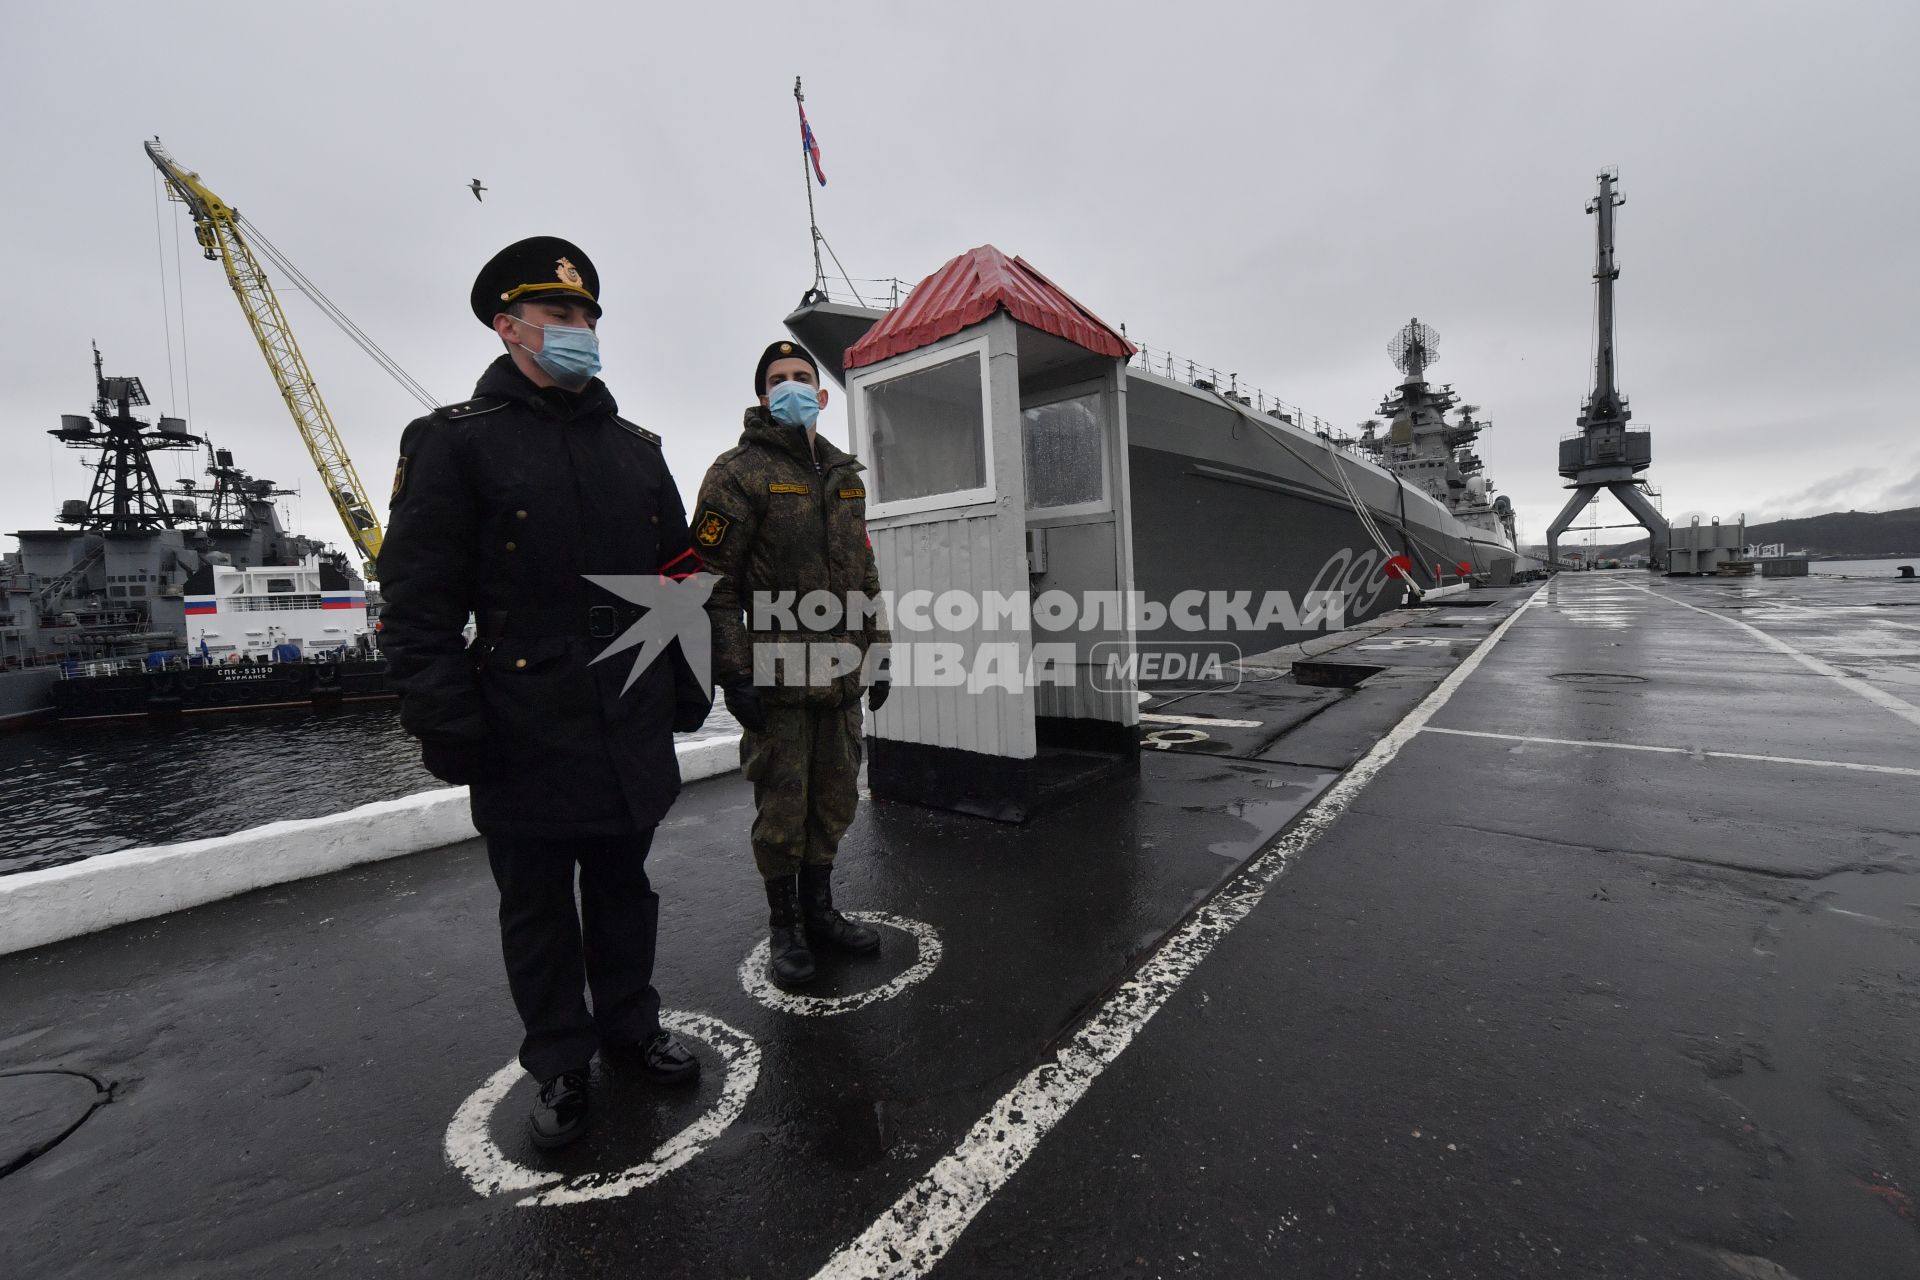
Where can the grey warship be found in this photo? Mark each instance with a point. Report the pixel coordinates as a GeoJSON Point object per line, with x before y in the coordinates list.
{"type": "Point", "coordinates": [109, 591]}
{"type": "Point", "coordinates": [1234, 489]}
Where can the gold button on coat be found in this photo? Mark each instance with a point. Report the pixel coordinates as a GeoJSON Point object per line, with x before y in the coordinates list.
{"type": "Point", "coordinates": [519, 662]}
{"type": "Point", "coordinates": [519, 515]}
{"type": "Point", "coordinates": [510, 546]}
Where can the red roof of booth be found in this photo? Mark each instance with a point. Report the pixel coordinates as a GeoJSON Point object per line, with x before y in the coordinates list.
{"type": "Point", "coordinates": [969, 289]}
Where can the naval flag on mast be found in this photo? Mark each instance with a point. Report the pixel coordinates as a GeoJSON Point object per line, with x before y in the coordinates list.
{"type": "Point", "coordinates": [809, 144]}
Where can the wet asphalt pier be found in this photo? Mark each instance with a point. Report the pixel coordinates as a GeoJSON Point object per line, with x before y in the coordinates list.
{"type": "Point", "coordinates": [1583, 939]}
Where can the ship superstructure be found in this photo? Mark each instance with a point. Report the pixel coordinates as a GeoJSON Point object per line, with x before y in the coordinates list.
{"type": "Point", "coordinates": [1421, 446]}
{"type": "Point", "coordinates": [112, 579]}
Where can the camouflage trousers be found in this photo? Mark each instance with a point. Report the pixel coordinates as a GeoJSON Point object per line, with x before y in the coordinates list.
{"type": "Point", "coordinates": [805, 771]}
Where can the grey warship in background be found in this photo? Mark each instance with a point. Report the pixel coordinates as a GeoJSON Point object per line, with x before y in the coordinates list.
{"type": "Point", "coordinates": [101, 606]}
{"type": "Point", "coordinates": [1422, 447]}
{"type": "Point", "coordinates": [1233, 490]}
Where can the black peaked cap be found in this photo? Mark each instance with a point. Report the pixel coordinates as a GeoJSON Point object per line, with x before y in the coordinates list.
{"type": "Point", "coordinates": [537, 267]}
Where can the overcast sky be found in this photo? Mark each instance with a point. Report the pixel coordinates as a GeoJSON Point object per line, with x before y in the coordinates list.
{"type": "Point", "coordinates": [1269, 188]}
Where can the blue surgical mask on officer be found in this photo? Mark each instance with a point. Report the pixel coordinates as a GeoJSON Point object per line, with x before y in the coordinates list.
{"type": "Point", "coordinates": [794, 404]}
{"type": "Point", "coordinates": [568, 355]}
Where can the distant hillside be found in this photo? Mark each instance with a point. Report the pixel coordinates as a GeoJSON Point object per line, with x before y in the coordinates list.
{"type": "Point", "coordinates": [1849, 535]}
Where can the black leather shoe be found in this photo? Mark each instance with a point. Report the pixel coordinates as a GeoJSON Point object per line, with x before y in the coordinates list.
{"type": "Point", "coordinates": [559, 1114]}
{"type": "Point", "coordinates": [789, 961]}
{"type": "Point", "coordinates": [827, 927]}
{"type": "Point", "coordinates": [661, 1058]}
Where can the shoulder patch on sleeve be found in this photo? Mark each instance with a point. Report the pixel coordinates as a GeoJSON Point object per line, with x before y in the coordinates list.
{"type": "Point", "coordinates": [780, 486]}
{"type": "Point", "coordinates": [638, 430]}
{"type": "Point", "coordinates": [399, 479]}
{"type": "Point", "coordinates": [710, 527]}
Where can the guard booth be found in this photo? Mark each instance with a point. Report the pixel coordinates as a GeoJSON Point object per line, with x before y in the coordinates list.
{"type": "Point", "coordinates": [990, 410]}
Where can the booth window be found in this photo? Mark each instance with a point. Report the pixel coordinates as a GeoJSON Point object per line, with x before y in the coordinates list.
{"type": "Point", "coordinates": [929, 431]}
{"type": "Point", "coordinates": [1066, 454]}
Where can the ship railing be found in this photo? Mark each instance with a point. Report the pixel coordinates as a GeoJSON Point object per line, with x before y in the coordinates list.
{"type": "Point", "coordinates": [29, 662]}
{"type": "Point", "coordinates": [1638, 428]}
{"type": "Point", "coordinates": [1176, 368]}
{"type": "Point", "coordinates": [81, 668]}
{"type": "Point", "coordinates": [887, 293]}
{"type": "Point", "coordinates": [878, 294]}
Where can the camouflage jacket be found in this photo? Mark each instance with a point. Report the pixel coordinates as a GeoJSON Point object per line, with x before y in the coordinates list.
{"type": "Point", "coordinates": [773, 523]}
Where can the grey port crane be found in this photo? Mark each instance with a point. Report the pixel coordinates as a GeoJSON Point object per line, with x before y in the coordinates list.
{"type": "Point", "coordinates": [1603, 455]}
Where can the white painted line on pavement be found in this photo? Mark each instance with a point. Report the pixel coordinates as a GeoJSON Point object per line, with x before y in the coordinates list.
{"type": "Point", "coordinates": [489, 1171]}
{"type": "Point", "coordinates": [911, 1237]}
{"type": "Point", "coordinates": [1683, 751]}
{"type": "Point", "coordinates": [1211, 722]}
{"type": "Point", "coordinates": [753, 974]}
{"type": "Point", "coordinates": [1872, 693]}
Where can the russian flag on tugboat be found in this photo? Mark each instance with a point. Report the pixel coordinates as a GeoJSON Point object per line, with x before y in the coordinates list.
{"type": "Point", "coordinates": [353, 600]}
{"type": "Point", "coordinates": [201, 604]}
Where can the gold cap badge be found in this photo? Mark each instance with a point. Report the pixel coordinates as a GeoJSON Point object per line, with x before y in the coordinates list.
{"type": "Point", "coordinates": [566, 273]}
{"type": "Point", "coordinates": [786, 348]}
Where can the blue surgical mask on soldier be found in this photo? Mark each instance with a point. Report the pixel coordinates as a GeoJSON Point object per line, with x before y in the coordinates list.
{"type": "Point", "coordinates": [794, 404]}
{"type": "Point", "coordinates": [568, 355]}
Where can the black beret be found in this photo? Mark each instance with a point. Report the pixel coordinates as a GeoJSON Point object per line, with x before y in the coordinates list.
{"type": "Point", "coordinates": [537, 267]}
{"type": "Point", "coordinates": [781, 351]}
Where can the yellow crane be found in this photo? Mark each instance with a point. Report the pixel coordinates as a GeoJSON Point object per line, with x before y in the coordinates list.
{"type": "Point", "coordinates": [216, 225]}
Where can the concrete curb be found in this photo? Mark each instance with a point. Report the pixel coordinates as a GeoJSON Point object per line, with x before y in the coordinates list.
{"type": "Point", "coordinates": [38, 907]}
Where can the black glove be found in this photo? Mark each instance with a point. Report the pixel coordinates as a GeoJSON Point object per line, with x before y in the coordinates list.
{"type": "Point", "coordinates": [690, 712]}
{"type": "Point", "coordinates": [745, 705]}
{"type": "Point", "coordinates": [877, 692]}
{"type": "Point", "coordinates": [459, 763]}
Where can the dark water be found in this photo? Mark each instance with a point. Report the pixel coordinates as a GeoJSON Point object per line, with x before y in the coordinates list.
{"type": "Point", "coordinates": [71, 791]}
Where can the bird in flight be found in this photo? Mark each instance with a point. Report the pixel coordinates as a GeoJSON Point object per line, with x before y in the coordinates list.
{"type": "Point", "coordinates": [476, 188]}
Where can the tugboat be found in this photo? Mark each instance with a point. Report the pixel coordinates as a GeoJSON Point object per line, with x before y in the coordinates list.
{"type": "Point", "coordinates": [154, 600]}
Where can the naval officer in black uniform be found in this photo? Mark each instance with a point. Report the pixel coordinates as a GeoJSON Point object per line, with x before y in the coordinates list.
{"type": "Point", "coordinates": [501, 505]}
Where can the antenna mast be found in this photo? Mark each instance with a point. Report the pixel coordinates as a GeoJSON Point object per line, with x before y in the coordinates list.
{"type": "Point", "coordinates": [806, 177]}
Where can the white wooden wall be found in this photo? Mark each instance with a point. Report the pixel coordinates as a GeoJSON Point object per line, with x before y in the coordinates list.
{"type": "Point", "coordinates": [971, 549]}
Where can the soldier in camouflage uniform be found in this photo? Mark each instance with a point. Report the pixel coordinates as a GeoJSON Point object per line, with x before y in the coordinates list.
{"type": "Point", "coordinates": [783, 513]}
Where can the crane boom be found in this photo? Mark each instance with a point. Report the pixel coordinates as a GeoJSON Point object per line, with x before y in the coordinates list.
{"type": "Point", "coordinates": [216, 225]}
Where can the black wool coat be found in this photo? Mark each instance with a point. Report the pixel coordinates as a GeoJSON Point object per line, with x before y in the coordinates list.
{"type": "Point", "coordinates": [500, 506]}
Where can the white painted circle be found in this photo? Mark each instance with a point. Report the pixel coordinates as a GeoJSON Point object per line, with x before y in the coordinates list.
{"type": "Point", "coordinates": [753, 974]}
{"type": "Point", "coordinates": [1406, 642]}
{"type": "Point", "coordinates": [472, 1150]}
{"type": "Point", "coordinates": [1162, 739]}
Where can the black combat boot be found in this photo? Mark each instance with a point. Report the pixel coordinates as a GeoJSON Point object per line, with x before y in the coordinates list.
{"type": "Point", "coordinates": [827, 927]}
{"type": "Point", "coordinates": [789, 963]}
